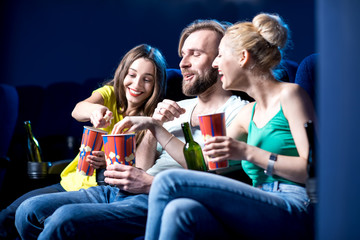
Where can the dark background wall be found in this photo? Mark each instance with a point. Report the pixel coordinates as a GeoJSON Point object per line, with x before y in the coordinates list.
{"type": "Point", "coordinates": [47, 41]}
{"type": "Point", "coordinates": [338, 94]}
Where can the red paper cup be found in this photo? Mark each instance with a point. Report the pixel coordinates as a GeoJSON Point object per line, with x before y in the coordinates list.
{"type": "Point", "coordinates": [120, 148]}
{"type": "Point", "coordinates": [213, 125]}
{"type": "Point", "coordinates": [91, 141]}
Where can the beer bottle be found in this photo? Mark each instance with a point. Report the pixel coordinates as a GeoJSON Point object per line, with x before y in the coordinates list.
{"type": "Point", "coordinates": [33, 148]}
{"type": "Point", "coordinates": [192, 150]}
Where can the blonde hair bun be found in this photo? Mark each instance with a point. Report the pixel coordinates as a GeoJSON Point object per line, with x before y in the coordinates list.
{"type": "Point", "coordinates": [272, 28]}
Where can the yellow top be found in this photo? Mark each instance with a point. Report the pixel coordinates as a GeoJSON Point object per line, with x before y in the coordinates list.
{"type": "Point", "coordinates": [71, 180]}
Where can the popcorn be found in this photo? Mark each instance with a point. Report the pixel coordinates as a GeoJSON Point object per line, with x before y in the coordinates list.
{"type": "Point", "coordinates": [112, 155]}
{"type": "Point", "coordinates": [82, 147]}
{"type": "Point", "coordinates": [88, 149]}
{"type": "Point", "coordinates": [108, 118]}
{"type": "Point", "coordinates": [130, 157]}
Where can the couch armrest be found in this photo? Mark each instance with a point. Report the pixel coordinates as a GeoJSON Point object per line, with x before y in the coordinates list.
{"type": "Point", "coordinates": [58, 166]}
{"type": "Point", "coordinates": [235, 172]}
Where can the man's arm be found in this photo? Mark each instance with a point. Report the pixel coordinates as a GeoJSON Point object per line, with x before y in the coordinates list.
{"type": "Point", "coordinates": [135, 179]}
{"type": "Point", "coordinates": [146, 152]}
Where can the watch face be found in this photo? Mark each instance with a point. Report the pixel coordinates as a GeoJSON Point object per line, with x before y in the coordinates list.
{"type": "Point", "coordinates": [273, 157]}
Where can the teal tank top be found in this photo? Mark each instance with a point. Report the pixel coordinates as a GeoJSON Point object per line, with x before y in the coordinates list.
{"type": "Point", "coordinates": [274, 137]}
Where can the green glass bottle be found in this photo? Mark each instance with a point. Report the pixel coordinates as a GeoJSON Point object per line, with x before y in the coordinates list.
{"type": "Point", "coordinates": [192, 150]}
{"type": "Point", "coordinates": [33, 147]}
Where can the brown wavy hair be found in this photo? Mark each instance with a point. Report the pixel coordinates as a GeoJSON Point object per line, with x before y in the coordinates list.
{"type": "Point", "coordinates": [147, 108]}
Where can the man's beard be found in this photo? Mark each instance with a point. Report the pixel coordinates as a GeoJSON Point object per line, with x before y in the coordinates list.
{"type": "Point", "coordinates": [201, 83]}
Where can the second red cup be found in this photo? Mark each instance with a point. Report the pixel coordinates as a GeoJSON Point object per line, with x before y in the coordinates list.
{"type": "Point", "coordinates": [213, 125]}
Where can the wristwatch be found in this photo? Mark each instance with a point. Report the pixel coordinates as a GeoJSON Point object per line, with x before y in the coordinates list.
{"type": "Point", "coordinates": [270, 166]}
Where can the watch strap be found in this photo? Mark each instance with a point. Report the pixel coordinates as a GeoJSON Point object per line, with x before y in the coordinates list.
{"type": "Point", "coordinates": [270, 166]}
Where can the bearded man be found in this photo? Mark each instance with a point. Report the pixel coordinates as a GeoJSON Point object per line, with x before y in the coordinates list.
{"type": "Point", "coordinates": [120, 208]}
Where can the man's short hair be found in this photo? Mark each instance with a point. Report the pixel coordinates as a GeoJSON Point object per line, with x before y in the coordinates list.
{"type": "Point", "coordinates": [201, 24]}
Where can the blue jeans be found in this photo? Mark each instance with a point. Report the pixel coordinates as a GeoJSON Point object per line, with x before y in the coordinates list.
{"type": "Point", "coordinates": [7, 215]}
{"type": "Point", "coordinates": [101, 212]}
{"type": "Point", "coordinates": [185, 204]}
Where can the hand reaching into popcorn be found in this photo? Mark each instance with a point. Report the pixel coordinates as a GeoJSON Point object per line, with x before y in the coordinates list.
{"type": "Point", "coordinates": [101, 118]}
{"type": "Point", "coordinates": [93, 110]}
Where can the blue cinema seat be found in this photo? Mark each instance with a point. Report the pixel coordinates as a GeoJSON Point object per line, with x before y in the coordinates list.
{"type": "Point", "coordinates": [306, 75]}
{"type": "Point", "coordinates": [286, 71]}
{"type": "Point", "coordinates": [9, 102]}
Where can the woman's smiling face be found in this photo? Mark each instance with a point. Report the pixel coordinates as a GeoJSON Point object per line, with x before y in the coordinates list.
{"type": "Point", "coordinates": [228, 64]}
{"type": "Point", "coordinates": [139, 82]}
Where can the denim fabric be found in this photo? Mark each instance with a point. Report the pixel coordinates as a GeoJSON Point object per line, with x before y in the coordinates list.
{"type": "Point", "coordinates": [100, 212]}
{"type": "Point", "coordinates": [7, 215]}
{"type": "Point", "coordinates": [185, 204]}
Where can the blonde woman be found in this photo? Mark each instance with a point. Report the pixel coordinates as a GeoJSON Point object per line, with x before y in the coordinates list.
{"type": "Point", "coordinates": [187, 204]}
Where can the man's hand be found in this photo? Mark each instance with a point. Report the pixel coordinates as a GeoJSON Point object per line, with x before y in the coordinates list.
{"type": "Point", "coordinates": [128, 178]}
{"type": "Point", "coordinates": [133, 124]}
{"type": "Point", "coordinates": [167, 110]}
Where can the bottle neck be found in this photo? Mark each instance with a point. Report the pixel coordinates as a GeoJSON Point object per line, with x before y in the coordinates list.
{"type": "Point", "coordinates": [187, 133]}
{"type": "Point", "coordinates": [28, 128]}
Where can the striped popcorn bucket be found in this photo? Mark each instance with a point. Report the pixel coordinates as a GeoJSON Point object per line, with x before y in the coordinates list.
{"type": "Point", "coordinates": [120, 148]}
{"type": "Point", "coordinates": [91, 141]}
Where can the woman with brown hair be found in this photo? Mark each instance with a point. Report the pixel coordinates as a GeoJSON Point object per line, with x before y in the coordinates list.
{"type": "Point", "coordinates": [138, 85]}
